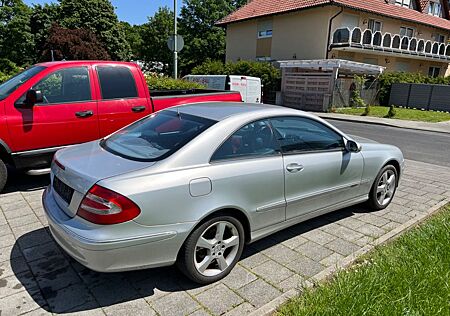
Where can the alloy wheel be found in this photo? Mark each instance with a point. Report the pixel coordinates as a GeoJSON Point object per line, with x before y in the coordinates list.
{"type": "Point", "coordinates": [216, 249]}
{"type": "Point", "coordinates": [386, 187]}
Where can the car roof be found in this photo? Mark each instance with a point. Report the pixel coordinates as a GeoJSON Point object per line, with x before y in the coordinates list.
{"type": "Point", "coordinates": [219, 111]}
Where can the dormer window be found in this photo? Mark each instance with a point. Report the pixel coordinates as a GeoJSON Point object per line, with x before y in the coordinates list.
{"type": "Point", "coordinates": [403, 3]}
{"type": "Point", "coordinates": [435, 8]}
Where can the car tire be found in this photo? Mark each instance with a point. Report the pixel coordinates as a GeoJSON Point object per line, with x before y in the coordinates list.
{"type": "Point", "coordinates": [383, 188]}
{"type": "Point", "coordinates": [212, 250]}
{"type": "Point", "coordinates": [3, 175]}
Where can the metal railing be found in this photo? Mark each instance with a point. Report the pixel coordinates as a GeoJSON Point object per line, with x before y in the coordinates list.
{"type": "Point", "coordinates": [390, 43]}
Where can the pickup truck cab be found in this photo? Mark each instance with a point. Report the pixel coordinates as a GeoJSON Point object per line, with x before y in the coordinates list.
{"type": "Point", "coordinates": [54, 105]}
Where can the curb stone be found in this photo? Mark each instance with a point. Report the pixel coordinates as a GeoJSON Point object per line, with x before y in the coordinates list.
{"type": "Point", "coordinates": [271, 307]}
{"type": "Point", "coordinates": [348, 118]}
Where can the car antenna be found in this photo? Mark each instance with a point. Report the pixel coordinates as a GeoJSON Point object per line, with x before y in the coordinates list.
{"type": "Point", "coordinates": [178, 112]}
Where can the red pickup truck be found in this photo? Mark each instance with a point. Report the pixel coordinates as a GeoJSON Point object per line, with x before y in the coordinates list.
{"type": "Point", "coordinates": [57, 104]}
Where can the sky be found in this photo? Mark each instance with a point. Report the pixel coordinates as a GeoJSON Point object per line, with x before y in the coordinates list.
{"type": "Point", "coordinates": [132, 11]}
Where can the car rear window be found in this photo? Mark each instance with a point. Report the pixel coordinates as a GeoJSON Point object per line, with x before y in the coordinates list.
{"type": "Point", "coordinates": [157, 136]}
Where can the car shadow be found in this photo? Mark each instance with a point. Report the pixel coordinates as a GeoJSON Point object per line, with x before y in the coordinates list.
{"type": "Point", "coordinates": [19, 181]}
{"type": "Point", "coordinates": [59, 284]}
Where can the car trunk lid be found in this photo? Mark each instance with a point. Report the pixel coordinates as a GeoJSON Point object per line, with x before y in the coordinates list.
{"type": "Point", "coordinates": [76, 169]}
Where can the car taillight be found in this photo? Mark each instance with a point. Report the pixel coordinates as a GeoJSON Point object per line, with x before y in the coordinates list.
{"type": "Point", "coordinates": [106, 207]}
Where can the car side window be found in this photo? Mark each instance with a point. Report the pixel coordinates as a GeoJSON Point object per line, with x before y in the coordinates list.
{"type": "Point", "coordinates": [116, 82]}
{"type": "Point", "coordinates": [299, 134]}
{"type": "Point", "coordinates": [65, 86]}
{"type": "Point", "coordinates": [253, 140]}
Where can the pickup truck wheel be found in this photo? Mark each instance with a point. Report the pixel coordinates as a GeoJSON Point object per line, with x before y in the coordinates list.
{"type": "Point", "coordinates": [212, 250]}
{"type": "Point", "coordinates": [3, 175]}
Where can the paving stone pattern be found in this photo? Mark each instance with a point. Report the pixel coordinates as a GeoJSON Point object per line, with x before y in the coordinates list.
{"type": "Point", "coordinates": [38, 278]}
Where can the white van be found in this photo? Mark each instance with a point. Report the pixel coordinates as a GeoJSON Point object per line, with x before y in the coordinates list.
{"type": "Point", "coordinates": [249, 87]}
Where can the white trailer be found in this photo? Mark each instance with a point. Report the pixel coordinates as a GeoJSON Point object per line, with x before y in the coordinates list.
{"type": "Point", "coordinates": [249, 87]}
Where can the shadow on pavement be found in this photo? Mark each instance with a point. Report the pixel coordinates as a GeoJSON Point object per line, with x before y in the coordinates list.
{"type": "Point", "coordinates": [18, 181]}
{"type": "Point", "coordinates": [59, 284]}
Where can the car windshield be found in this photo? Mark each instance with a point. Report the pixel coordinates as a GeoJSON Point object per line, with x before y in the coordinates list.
{"type": "Point", "coordinates": [15, 82]}
{"type": "Point", "coordinates": [157, 136]}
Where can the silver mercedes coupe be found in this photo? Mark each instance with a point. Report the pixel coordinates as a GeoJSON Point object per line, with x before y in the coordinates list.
{"type": "Point", "coordinates": [192, 184]}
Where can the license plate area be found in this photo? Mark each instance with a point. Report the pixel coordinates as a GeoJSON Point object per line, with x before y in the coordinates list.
{"type": "Point", "coordinates": [63, 190]}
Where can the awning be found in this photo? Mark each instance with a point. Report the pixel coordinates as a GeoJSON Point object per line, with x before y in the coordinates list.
{"type": "Point", "coordinates": [345, 67]}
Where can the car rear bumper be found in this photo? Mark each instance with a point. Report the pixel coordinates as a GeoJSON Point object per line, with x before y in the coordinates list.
{"type": "Point", "coordinates": [98, 247]}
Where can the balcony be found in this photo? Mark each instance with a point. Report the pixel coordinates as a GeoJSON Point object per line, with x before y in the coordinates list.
{"type": "Point", "coordinates": [389, 44]}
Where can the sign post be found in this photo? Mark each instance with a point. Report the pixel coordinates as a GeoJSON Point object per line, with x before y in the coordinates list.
{"type": "Point", "coordinates": [175, 51]}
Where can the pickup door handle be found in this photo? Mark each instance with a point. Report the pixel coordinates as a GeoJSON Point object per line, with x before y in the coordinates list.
{"type": "Point", "coordinates": [84, 114]}
{"type": "Point", "coordinates": [138, 109]}
{"type": "Point", "coordinates": [294, 167]}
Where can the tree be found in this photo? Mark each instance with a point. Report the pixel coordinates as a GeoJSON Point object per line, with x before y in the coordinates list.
{"type": "Point", "coordinates": [134, 38]}
{"type": "Point", "coordinates": [75, 44]}
{"type": "Point", "coordinates": [99, 17]}
{"type": "Point", "coordinates": [42, 19]}
{"type": "Point", "coordinates": [154, 37]}
{"type": "Point", "coordinates": [203, 39]}
{"type": "Point", "coordinates": [16, 41]}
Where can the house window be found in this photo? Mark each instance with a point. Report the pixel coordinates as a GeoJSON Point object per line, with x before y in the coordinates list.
{"type": "Point", "coordinates": [265, 29]}
{"type": "Point", "coordinates": [403, 3]}
{"type": "Point", "coordinates": [406, 31]}
{"type": "Point", "coordinates": [439, 38]}
{"type": "Point", "coordinates": [435, 8]}
{"type": "Point", "coordinates": [434, 72]}
{"type": "Point", "coordinates": [374, 25]}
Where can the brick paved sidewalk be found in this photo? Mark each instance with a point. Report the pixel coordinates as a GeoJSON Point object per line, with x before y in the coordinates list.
{"type": "Point", "coordinates": [37, 277]}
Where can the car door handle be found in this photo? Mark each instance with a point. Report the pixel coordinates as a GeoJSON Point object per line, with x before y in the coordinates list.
{"type": "Point", "coordinates": [294, 167]}
{"type": "Point", "coordinates": [84, 114]}
{"type": "Point", "coordinates": [138, 109]}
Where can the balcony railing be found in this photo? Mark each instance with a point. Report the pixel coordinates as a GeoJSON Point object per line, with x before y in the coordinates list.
{"type": "Point", "coordinates": [390, 43]}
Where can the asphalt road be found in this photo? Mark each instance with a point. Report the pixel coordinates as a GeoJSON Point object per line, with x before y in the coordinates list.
{"type": "Point", "coordinates": [422, 146]}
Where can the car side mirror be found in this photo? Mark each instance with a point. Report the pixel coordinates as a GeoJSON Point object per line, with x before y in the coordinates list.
{"type": "Point", "coordinates": [352, 146]}
{"type": "Point", "coordinates": [33, 97]}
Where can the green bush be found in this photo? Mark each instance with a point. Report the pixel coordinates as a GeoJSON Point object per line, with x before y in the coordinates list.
{"type": "Point", "coordinates": [7, 69]}
{"type": "Point", "coordinates": [367, 110]}
{"type": "Point", "coordinates": [355, 98]}
{"type": "Point", "coordinates": [270, 75]}
{"type": "Point", "coordinates": [3, 77]}
{"type": "Point", "coordinates": [388, 78]}
{"type": "Point", "coordinates": [392, 112]}
{"type": "Point", "coordinates": [167, 83]}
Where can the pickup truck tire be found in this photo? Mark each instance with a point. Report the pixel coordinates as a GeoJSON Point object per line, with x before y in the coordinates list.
{"type": "Point", "coordinates": [3, 175]}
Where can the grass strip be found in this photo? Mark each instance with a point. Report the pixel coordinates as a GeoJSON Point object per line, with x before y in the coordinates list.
{"type": "Point", "coordinates": [409, 276]}
{"type": "Point", "coordinates": [401, 114]}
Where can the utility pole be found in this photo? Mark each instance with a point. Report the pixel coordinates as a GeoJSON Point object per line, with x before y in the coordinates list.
{"type": "Point", "coordinates": [175, 37]}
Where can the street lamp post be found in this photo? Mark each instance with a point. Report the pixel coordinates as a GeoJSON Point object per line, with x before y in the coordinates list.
{"type": "Point", "coordinates": [175, 51]}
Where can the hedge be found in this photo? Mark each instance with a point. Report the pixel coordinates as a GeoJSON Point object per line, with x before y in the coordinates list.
{"type": "Point", "coordinates": [7, 69]}
{"type": "Point", "coordinates": [167, 83]}
{"type": "Point", "coordinates": [388, 78]}
{"type": "Point", "coordinates": [3, 77]}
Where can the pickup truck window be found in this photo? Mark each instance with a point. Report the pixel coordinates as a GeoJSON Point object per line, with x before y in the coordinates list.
{"type": "Point", "coordinates": [116, 83]}
{"type": "Point", "coordinates": [65, 86]}
{"type": "Point", "coordinates": [15, 82]}
{"type": "Point", "coordinates": [156, 137]}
